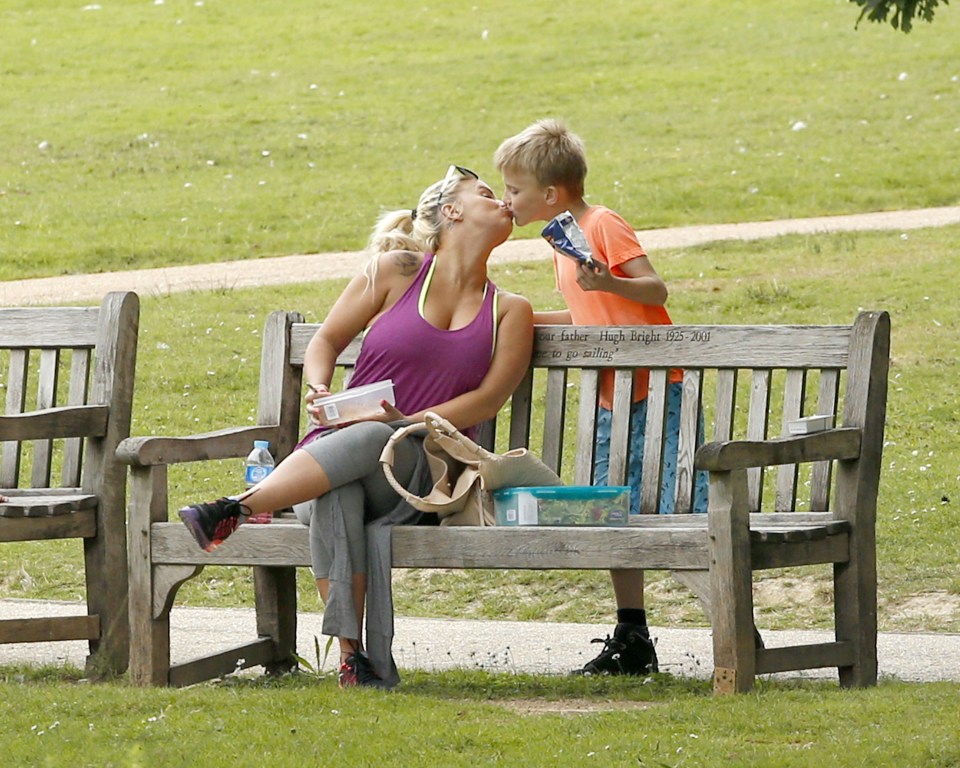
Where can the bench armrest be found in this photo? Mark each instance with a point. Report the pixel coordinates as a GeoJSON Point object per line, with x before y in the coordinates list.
{"type": "Point", "coordinates": [840, 443]}
{"type": "Point", "coordinates": [222, 444]}
{"type": "Point", "coordinates": [50, 423]}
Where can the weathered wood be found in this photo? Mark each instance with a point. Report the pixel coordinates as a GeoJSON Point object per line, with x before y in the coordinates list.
{"type": "Point", "coordinates": [714, 554]}
{"type": "Point", "coordinates": [553, 428]}
{"type": "Point", "coordinates": [783, 554]}
{"type": "Point", "coordinates": [520, 423]}
{"type": "Point", "coordinates": [15, 404]}
{"type": "Point", "coordinates": [842, 443]}
{"type": "Point", "coordinates": [79, 392]}
{"type": "Point", "coordinates": [758, 421]}
{"type": "Point", "coordinates": [49, 630]}
{"type": "Point", "coordinates": [814, 656]}
{"type": "Point", "coordinates": [822, 473]}
{"type": "Point", "coordinates": [81, 433]}
{"type": "Point", "coordinates": [858, 480]}
{"type": "Point", "coordinates": [68, 421]}
{"type": "Point", "coordinates": [275, 591]}
{"type": "Point", "coordinates": [653, 442]}
{"type": "Point", "coordinates": [688, 440]}
{"type": "Point", "coordinates": [220, 444]}
{"type": "Point", "coordinates": [794, 389]}
{"type": "Point", "coordinates": [80, 524]}
{"type": "Point", "coordinates": [46, 398]}
{"type": "Point", "coordinates": [38, 327]}
{"type": "Point", "coordinates": [694, 346]}
{"type": "Point", "coordinates": [55, 502]}
{"type": "Point", "coordinates": [731, 578]}
{"type": "Point", "coordinates": [587, 422]}
{"type": "Point", "coordinates": [258, 653]}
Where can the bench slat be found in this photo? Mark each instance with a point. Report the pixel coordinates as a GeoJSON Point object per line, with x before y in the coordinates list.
{"type": "Point", "coordinates": [822, 472]}
{"type": "Point", "coordinates": [523, 403]}
{"type": "Point", "coordinates": [49, 630]}
{"type": "Point", "coordinates": [80, 524]}
{"type": "Point", "coordinates": [653, 441]}
{"type": "Point", "coordinates": [620, 427]}
{"type": "Point", "coordinates": [36, 328]}
{"type": "Point", "coordinates": [758, 422]}
{"type": "Point", "coordinates": [726, 403]}
{"type": "Point", "coordinates": [34, 505]}
{"type": "Point", "coordinates": [690, 415]}
{"type": "Point", "coordinates": [555, 419]}
{"type": "Point", "coordinates": [587, 427]}
{"type": "Point", "coordinates": [46, 398]}
{"type": "Point", "coordinates": [787, 474]}
{"type": "Point", "coordinates": [77, 395]}
{"type": "Point", "coordinates": [17, 371]}
{"type": "Point", "coordinates": [694, 346]}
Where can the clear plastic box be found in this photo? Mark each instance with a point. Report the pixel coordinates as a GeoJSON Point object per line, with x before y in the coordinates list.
{"type": "Point", "coordinates": [593, 505]}
{"type": "Point", "coordinates": [353, 404]}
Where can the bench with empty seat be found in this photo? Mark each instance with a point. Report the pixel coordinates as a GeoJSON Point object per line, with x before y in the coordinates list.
{"type": "Point", "coordinates": [68, 378]}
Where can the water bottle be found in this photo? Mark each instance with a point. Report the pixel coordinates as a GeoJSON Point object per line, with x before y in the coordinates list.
{"type": "Point", "coordinates": [259, 464]}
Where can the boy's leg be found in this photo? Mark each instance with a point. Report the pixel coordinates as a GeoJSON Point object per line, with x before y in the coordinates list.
{"type": "Point", "coordinates": [630, 651]}
{"type": "Point", "coordinates": [671, 447]}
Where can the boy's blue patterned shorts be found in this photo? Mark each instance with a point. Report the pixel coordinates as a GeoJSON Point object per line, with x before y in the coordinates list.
{"type": "Point", "coordinates": [638, 421]}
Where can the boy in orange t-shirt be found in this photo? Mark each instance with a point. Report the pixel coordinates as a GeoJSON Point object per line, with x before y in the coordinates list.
{"type": "Point", "coordinates": [543, 170]}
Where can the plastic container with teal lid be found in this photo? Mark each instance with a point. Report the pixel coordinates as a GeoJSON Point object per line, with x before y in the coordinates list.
{"type": "Point", "coordinates": [590, 505]}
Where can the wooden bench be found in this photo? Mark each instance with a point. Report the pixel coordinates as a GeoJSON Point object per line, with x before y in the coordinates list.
{"type": "Point", "coordinates": [59, 466]}
{"type": "Point", "coordinates": [817, 506]}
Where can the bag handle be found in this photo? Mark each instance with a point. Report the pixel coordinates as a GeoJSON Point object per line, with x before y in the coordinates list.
{"type": "Point", "coordinates": [386, 459]}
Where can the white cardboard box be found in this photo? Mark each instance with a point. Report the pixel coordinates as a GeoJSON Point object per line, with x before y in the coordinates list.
{"type": "Point", "coordinates": [809, 424]}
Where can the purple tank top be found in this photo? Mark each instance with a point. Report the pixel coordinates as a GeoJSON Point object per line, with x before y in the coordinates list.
{"type": "Point", "coordinates": [428, 365]}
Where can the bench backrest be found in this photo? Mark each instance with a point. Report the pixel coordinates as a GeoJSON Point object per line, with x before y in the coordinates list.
{"type": "Point", "coordinates": [66, 356]}
{"type": "Point", "coordinates": [744, 382]}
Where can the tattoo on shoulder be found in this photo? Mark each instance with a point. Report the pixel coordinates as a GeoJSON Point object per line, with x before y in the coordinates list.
{"type": "Point", "coordinates": [407, 262]}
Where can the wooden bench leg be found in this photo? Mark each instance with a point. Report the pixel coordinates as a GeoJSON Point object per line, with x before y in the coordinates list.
{"type": "Point", "coordinates": [855, 609]}
{"type": "Point", "coordinates": [734, 652]}
{"type": "Point", "coordinates": [105, 565]}
{"type": "Point", "coordinates": [276, 598]}
{"type": "Point", "coordinates": [150, 623]}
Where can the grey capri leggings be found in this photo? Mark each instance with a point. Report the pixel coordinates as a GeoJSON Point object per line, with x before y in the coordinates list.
{"type": "Point", "coordinates": [351, 459]}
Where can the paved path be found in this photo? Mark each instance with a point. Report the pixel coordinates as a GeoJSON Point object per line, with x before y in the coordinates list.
{"type": "Point", "coordinates": [325, 266]}
{"type": "Point", "coordinates": [504, 646]}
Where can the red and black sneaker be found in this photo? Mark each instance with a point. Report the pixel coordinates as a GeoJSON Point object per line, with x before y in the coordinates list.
{"type": "Point", "coordinates": [212, 522]}
{"type": "Point", "coordinates": [357, 670]}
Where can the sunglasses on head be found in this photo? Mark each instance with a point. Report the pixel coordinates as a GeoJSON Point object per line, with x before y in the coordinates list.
{"type": "Point", "coordinates": [454, 174]}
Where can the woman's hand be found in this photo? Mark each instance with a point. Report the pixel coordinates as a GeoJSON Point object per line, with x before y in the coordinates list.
{"type": "Point", "coordinates": [390, 413]}
{"type": "Point", "coordinates": [314, 392]}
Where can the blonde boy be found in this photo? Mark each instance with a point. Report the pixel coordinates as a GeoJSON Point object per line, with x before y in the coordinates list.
{"type": "Point", "coordinates": [543, 168]}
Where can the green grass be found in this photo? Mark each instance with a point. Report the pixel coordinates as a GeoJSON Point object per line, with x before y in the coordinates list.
{"type": "Point", "coordinates": [199, 357]}
{"type": "Point", "coordinates": [146, 134]}
{"type": "Point", "coordinates": [464, 718]}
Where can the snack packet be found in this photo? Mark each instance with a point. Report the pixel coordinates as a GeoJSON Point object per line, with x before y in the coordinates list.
{"type": "Point", "coordinates": [564, 234]}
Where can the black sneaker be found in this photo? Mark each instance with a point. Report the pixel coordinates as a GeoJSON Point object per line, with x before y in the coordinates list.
{"type": "Point", "coordinates": [212, 522]}
{"type": "Point", "coordinates": [629, 652]}
{"type": "Point", "coordinates": [357, 670]}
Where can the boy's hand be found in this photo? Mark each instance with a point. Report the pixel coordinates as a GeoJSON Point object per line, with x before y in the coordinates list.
{"type": "Point", "coordinates": [595, 278]}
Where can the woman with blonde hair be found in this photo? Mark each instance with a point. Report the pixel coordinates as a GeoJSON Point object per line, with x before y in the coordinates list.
{"type": "Point", "coordinates": [434, 323]}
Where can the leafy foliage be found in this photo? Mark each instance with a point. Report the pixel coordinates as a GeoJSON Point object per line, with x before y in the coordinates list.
{"type": "Point", "coordinates": [900, 12]}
